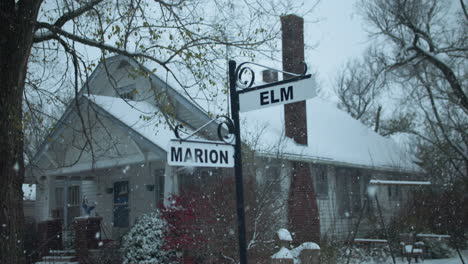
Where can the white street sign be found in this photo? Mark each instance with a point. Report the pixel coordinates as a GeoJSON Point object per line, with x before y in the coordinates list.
{"type": "Point", "coordinates": [283, 93]}
{"type": "Point", "coordinates": [200, 154]}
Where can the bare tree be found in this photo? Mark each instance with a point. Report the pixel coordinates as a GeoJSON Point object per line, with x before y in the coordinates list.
{"type": "Point", "coordinates": [424, 46]}
{"type": "Point", "coordinates": [359, 86]}
{"type": "Point", "coordinates": [45, 42]}
{"type": "Point", "coordinates": [362, 86]}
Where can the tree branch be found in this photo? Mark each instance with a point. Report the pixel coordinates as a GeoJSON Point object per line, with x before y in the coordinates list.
{"type": "Point", "coordinates": [448, 74]}
{"type": "Point", "coordinates": [464, 9]}
{"type": "Point", "coordinates": [67, 17]}
{"type": "Point", "coordinates": [99, 45]}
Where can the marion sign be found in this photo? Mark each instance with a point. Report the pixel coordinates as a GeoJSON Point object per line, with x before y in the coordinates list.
{"type": "Point", "coordinates": [200, 154]}
{"type": "Point", "coordinates": [283, 92]}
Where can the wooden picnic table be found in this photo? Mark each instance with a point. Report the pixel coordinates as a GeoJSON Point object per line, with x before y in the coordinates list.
{"type": "Point", "coordinates": [369, 240]}
{"type": "Point", "coordinates": [420, 235]}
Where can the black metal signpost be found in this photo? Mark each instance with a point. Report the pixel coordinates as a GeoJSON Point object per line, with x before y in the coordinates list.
{"type": "Point", "coordinates": [238, 163]}
{"type": "Point", "coordinates": [286, 96]}
{"type": "Point", "coordinates": [185, 152]}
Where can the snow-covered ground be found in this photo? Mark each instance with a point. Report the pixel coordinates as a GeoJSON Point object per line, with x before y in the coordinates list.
{"type": "Point", "coordinates": [453, 260]}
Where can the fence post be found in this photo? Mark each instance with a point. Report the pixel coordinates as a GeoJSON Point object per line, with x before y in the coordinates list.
{"type": "Point", "coordinates": [283, 256]}
{"type": "Point", "coordinates": [50, 235]}
{"type": "Point", "coordinates": [87, 235]}
{"type": "Point", "coordinates": [309, 253]}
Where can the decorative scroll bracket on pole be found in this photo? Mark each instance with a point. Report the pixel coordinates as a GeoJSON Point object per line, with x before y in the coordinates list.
{"type": "Point", "coordinates": [245, 76]}
{"type": "Point", "coordinates": [225, 125]}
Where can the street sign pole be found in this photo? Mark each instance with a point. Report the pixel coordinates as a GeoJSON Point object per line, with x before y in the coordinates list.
{"type": "Point", "coordinates": [184, 152]}
{"type": "Point", "coordinates": [238, 163]}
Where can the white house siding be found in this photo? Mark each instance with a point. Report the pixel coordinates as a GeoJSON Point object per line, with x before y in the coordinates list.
{"type": "Point", "coordinates": [338, 226]}
{"type": "Point", "coordinates": [333, 224]}
{"type": "Point", "coordinates": [109, 142]}
{"type": "Point", "coordinates": [141, 200]}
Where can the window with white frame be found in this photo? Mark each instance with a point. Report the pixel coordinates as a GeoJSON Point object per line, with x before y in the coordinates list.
{"type": "Point", "coordinates": [159, 179]}
{"type": "Point", "coordinates": [273, 177]}
{"type": "Point", "coordinates": [394, 192]}
{"type": "Point", "coordinates": [349, 191]}
{"type": "Point", "coordinates": [320, 180]}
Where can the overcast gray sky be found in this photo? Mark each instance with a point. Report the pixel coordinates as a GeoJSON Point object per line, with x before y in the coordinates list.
{"type": "Point", "coordinates": [339, 34]}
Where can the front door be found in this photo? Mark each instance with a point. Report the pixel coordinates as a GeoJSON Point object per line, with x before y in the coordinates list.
{"type": "Point", "coordinates": [121, 210]}
{"type": "Point", "coordinates": [67, 202]}
{"type": "Point", "coordinates": [73, 203]}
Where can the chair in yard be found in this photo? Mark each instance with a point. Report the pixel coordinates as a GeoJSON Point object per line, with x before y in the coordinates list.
{"type": "Point", "coordinates": [410, 248]}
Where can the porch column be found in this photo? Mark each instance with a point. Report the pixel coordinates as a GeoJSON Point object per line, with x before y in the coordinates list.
{"type": "Point", "coordinates": [65, 202]}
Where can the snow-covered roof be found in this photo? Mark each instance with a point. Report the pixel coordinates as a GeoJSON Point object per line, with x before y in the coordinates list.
{"type": "Point", "coordinates": [142, 117]}
{"type": "Point", "coordinates": [333, 137]}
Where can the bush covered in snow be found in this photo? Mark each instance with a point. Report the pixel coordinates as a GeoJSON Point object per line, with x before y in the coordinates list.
{"type": "Point", "coordinates": [145, 242]}
{"type": "Point", "coordinates": [438, 249]}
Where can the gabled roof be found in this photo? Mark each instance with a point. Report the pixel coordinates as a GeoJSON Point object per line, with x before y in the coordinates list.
{"type": "Point", "coordinates": [142, 117]}
{"type": "Point", "coordinates": [102, 100]}
{"type": "Point", "coordinates": [333, 137]}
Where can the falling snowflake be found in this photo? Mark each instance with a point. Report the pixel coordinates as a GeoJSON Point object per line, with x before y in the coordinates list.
{"type": "Point", "coordinates": [16, 167]}
{"type": "Point", "coordinates": [372, 190]}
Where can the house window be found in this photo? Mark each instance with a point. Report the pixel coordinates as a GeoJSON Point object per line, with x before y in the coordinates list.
{"type": "Point", "coordinates": [273, 178]}
{"type": "Point", "coordinates": [73, 196]}
{"type": "Point", "coordinates": [394, 193]}
{"type": "Point", "coordinates": [160, 179]}
{"type": "Point", "coordinates": [349, 191]}
{"type": "Point", "coordinates": [127, 92]}
{"type": "Point", "coordinates": [320, 178]}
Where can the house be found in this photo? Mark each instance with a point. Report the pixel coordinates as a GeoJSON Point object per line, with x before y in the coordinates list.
{"type": "Point", "coordinates": [109, 150]}
{"type": "Point", "coordinates": [343, 155]}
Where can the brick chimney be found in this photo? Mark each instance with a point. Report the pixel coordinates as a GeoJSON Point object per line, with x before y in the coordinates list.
{"type": "Point", "coordinates": [303, 214]}
{"type": "Point", "coordinates": [295, 117]}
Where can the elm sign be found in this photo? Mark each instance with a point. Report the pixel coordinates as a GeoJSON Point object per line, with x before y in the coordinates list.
{"type": "Point", "coordinates": [278, 93]}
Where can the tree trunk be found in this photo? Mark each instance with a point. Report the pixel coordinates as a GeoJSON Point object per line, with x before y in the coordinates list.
{"type": "Point", "coordinates": [17, 23]}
